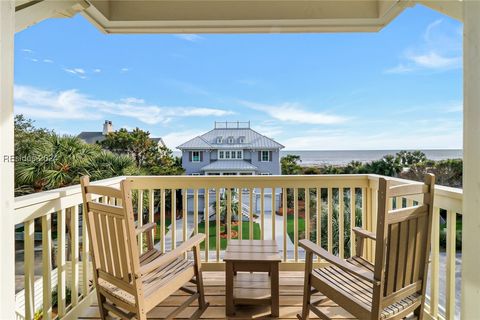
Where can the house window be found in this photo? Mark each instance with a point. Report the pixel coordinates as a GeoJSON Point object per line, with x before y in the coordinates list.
{"type": "Point", "coordinates": [195, 156]}
{"type": "Point", "coordinates": [265, 174]}
{"type": "Point", "coordinates": [231, 140]}
{"type": "Point", "coordinates": [219, 140]}
{"type": "Point", "coordinates": [265, 156]}
{"type": "Point", "coordinates": [195, 174]}
{"type": "Point", "coordinates": [230, 154]}
{"type": "Point", "coordinates": [241, 140]}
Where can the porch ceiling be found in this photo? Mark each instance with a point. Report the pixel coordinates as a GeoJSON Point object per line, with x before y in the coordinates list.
{"type": "Point", "coordinates": [227, 16]}
{"type": "Point", "coordinates": [241, 16]}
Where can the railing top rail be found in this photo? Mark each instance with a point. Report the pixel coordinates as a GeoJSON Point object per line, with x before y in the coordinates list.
{"type": "Point", "coordinates": [273, 181]}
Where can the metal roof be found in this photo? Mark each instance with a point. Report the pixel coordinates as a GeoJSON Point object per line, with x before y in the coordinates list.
{"type": "Point", "coordinates": [252, 140]}
{"type": "Point", "coordinates": [236, 165]}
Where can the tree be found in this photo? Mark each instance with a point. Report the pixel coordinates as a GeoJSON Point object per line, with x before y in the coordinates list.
{"type": "Point", "coordinates": [136, 144]}
{"type": "Point", "coordinates": [387, 166]}
{"type": "Point", "coordinates": [45, 160]}
{"type": "Point", "coordinates": [235, 205]}
{"type": "Point", "coordinates": [290, 164]}
{"type": "Point", "coordinates": [409, 158]}
{"type": "Point", "coordinates": [160, 161]}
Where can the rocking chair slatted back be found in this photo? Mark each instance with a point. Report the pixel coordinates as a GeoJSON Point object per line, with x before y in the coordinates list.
{"type": "Point", "coordinates": [403, 242]}
{"type": "Point", "coordinates": [113, 237]}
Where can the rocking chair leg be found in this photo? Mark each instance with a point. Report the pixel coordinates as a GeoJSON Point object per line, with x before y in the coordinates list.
{"type": "Point", "coordinates": [307, 290]}
{"type": "Point", "coordinates": [101, 301]}
{"type": "Point", "coordinates": [199, 279]}
{"type": "Point", "coordinates": [419, 312]}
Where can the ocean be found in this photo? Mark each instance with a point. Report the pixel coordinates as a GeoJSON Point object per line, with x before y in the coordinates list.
{"type": "Point", "coordinates": [342, 157]}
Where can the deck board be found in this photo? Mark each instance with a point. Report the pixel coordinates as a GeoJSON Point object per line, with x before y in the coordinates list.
{"type": "Point", "coordinates": [291, 290]}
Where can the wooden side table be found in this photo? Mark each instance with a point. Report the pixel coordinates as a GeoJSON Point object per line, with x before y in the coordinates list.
{"type": "Point", "coordinates": [252, 256]}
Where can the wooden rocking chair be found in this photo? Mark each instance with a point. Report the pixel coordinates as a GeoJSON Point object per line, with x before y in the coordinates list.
{"type": "Point", "coordinates": [129, 284]}
{"type": "Point", "coordinates": [394, 286]}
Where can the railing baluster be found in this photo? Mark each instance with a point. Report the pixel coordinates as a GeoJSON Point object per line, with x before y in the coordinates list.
{"type": "Point", "coordinates": [451, 260]}
{"type": "Point", "coordinates": [74, 253]}
{"type": "Point", "coordinates": [217, 223]}
{"type": "Point", "coordinates": [368, 224]}
{"type": "Point", "coordinates": [353, 198]}
{"type": "Point", "coordinates": [284, 213]}
{"type": "Point", "coordinates": [173, 217]}
{"type": "Point", "coordinates": [162, 220]}
{"type": "Point", "coordinates": [229, 213]}
{"type": "Point", "coordinates": [140, 219]}
{"type": "Point", "coordinates": [206, 217]}
{"type": "Point", "coordinates": [184, 216]}
{"type": "Point", "coordinates": [435, 266]}
{"type": "Point", "coordinates": [240, 213]}
{"type": "Point", "coordinates": [262, 213]}
{"type": "Point", "coordinates": [341, 223]}
{"type": "Point", "coordinates": [250, 219]}
{"type": "Point", "coordinates": [195, 211]}
{"type": "Point", "coordinates": [47, 265]}
{"type": "Point", "coordinates": [85, 253]}
{"type": "Point", "coordinates": [273, 211]}
{"type": "Point", "coordinates": [151, 212]}
{"type": "Point", "coordinates": [61, 260]}
{"type": "Point", "coordinates": [307, 213]}
{"type": "Point", "coordinates": [330, 219]}
{"type": "Point", "coordinates": [319, 219]}
{"type": "Point", "coordinates": [295, 223]}
{"type": "Point", "coordinates": [29, 259]}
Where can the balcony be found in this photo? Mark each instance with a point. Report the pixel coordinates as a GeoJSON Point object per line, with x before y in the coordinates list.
{"type": "Point", "coordinates": [52, 254]}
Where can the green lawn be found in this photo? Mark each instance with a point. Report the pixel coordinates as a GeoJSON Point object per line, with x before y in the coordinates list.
{"type": "Point", "coordinates": [223, 242]}
{"type": "Point", "coordinates": [290, 228]}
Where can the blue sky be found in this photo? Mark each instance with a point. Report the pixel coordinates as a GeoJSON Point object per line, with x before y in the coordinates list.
{"type": "Point", "coordinates": [399, 88]}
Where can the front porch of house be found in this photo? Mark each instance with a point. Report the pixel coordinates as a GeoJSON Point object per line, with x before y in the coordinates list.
{"type": "Point", "coordinates": [55, 274]}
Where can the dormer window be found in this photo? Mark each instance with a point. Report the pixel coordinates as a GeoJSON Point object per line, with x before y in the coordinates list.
{"type": "Point", "coordinates": [241, 140]}
{"type": "Point", "coordinates": [219, 140]}
{"type": "Point", "coordinates": [231, 140]}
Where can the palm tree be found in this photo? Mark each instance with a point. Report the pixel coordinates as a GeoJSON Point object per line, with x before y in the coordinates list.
{"type": "Point", "coordinates": [224, 205]}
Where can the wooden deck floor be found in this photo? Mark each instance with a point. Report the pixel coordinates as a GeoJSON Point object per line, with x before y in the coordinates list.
{"type": "Point", "coordinates": [291, 290]}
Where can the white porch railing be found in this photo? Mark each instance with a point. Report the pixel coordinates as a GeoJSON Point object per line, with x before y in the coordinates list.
{"type": "Point", "coordinates": [319, 207]}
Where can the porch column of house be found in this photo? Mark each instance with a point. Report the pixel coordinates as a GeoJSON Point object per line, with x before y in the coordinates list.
{"type": "Point", "coordinates": [7, 242]}
{"type": "Point", "coordinates": [470, 308]}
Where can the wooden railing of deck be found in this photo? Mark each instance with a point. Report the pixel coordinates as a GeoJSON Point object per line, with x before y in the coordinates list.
{"type": "Point", "coordinates": [325, 219]}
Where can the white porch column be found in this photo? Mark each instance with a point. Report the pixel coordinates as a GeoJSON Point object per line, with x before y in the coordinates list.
{"type": "Point", "coordinates": [7, 244]}
{"type": "Point", "coordinates": [471, 165]}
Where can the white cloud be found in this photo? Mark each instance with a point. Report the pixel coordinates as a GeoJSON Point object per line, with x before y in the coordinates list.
{"type": "Point", "coordinates": [34, 60]}
{"type": "Point", "coordinates": [294, 112]}
{"type": "Point", "coordinates": [76, 71]}
{"type": "Point", "coordinates": [433, 60]}
{"type": "Point", "coordinates": [440, 50]}
{"type": "Point", "coordinates": [71, 104]}
{"type": "Point", "coordinates": [27, 50]}
{"type": "Point", "coordinates": [132, 100]}
{"type": "Point", "coordinates": [189, 37]}
{"type": "Point", "coordinates": [47, 61]}
{"type": "Point", "coordinates": [124, 69]}
{"type": "Point", "coordinates": [176, 138]}
{"type": "Point", "coordinates": [97, 70]}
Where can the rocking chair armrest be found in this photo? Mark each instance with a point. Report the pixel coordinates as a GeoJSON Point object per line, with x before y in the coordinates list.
{"type": "Point", "coordinates": [359, 232]}
{"type": "Point", "coordinates": [344, 265]}
{"type": "Point", "coordinates": [172, 255]}
{"type": "Point", "coordinates": [146, 227]}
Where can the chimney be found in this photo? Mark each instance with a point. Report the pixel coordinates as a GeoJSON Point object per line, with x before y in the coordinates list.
{"type": "Point", "coordinates": [107, 127]}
